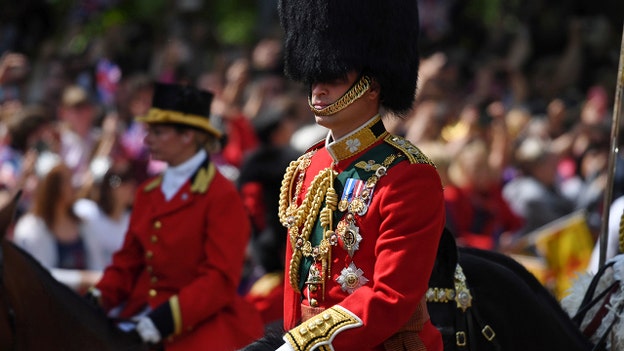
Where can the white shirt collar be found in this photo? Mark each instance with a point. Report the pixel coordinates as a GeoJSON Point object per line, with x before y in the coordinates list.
{"type": "Point", "coordinates": [175, 177]}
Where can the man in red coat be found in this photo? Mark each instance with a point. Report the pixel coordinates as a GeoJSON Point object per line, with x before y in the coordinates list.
{"type": "Point", "coordinates": [183, 254]}
{"type": "Point", "coordinates": [364, 209]}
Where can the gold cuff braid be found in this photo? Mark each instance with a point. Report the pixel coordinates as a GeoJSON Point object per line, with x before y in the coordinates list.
{"type": "Point", "coordinates": [319, 331]}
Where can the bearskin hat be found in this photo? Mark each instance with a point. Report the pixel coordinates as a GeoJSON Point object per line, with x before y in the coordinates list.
{"type": "Point", "coordinates": [325, 39]}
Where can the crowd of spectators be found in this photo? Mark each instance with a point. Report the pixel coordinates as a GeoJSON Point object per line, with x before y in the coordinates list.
{"type": "Point", "coordinates": [515, 114]}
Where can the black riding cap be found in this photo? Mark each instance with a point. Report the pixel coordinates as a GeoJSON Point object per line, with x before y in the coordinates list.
{"type": "Point", "coordinates": [325, 39]}
{"type": "Point", "coordinates": [181, 104]}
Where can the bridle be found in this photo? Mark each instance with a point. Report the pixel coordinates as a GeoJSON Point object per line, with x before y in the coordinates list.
{"type": "Point", "coordinates": [4, 297]}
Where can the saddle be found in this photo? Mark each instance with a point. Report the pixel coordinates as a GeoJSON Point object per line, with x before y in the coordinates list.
{"type": "Point", "coordinates": [451, 305]}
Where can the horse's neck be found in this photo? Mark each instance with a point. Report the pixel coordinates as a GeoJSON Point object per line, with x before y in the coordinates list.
{"type": "Point", "coordinates": [50, 316]}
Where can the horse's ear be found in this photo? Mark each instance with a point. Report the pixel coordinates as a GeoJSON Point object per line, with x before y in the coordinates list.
{"type": "Point", "coordinates": [7, 213]}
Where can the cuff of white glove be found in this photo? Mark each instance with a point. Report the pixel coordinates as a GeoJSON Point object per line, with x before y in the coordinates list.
{"type": "Point", "coordinates": [148, 331]}
{"type": "Point", "coordinates": [285, 347]}
{"type": "Point", "coordinates": [96, 294]}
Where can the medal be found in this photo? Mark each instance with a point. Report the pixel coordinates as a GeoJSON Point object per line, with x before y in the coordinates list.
{"type": "Point", "coordinates": [314, 276]}
{"type": "Point", "coordinates": [351, 239]}
{"type": "Point", "coordinates": [351, 278]}
{"type": "Point", "coordinates": [356, 205]}
{"type": "Point", "coordinates": [359, 206]}
{"type": "Point", "coordinates": [343, 205]}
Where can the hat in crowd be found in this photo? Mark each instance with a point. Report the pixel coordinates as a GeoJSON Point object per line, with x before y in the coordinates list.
{"type": "Point", "coordinates": [266, 122]}
{"type": "Point", "coordinates": [326, 39]}
{"type": "Point", "coordinates": [75, 95]}
{"type": "Point", "coordinates": [181, 104]}
{"type": "Point", "coordinates": [532, 151]}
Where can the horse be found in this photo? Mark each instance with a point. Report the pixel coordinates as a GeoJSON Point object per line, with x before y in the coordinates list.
{"type": "Point", "coordinates": [39, 313]}
{"type": "Point", "coordinates": [510, 308]}
{"type": "Point", "coordinates": [507, 308]}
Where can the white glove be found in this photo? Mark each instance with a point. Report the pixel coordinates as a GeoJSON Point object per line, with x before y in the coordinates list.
{"type": "Point", "coordinates": [148, 331]}
{"type": "Point", "coordinates": [285, 347]}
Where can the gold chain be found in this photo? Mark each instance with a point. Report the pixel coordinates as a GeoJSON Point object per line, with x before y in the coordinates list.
{"type": "Point", "coordinates": [354, 93]}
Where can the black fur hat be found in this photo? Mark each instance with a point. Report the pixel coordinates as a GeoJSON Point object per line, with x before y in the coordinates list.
{"type": "Point", "coordinates": [325, 39]}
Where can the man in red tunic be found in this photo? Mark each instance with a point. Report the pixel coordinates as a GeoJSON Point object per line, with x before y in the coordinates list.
{"type": "Point", "coordinates": [183, 254]}
{"type": "Point", "coordinates": [364, 209]}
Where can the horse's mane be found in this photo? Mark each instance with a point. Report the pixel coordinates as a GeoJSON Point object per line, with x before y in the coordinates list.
{"type": "Point", "coordinates": [499, 281]}
{"type": "Point", "coordinates": [519, 270]}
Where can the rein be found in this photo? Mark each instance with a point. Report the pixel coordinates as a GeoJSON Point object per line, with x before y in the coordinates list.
{"type": "Point", "coordinates": [10, 310]}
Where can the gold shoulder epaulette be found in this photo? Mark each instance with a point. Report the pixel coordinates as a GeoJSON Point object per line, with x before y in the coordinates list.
{"type": "Point", "coordinates": [414, 155]}
{"type": "Point", "coordinates": [320, 330]}
{"type": "Point", "coordinates": [153, 184]}
{"type": "Point", "coordinates": [204, 177]}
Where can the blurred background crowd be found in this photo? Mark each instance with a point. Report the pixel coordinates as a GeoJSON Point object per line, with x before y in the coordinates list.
{"type": "Point", "coordinates": [514, 105]}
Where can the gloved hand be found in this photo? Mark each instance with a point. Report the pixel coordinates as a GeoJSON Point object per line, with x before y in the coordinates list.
{"type": "Point", "coordinates": [285, 347]}
{"type": "Point", "coordinates": [148, 331]}
{"type": "Point", "coordinates": [143, 327]}
{"type": "Point", "coordinates": [94, 298]}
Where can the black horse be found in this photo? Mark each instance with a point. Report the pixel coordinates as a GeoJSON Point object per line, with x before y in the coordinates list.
{"type": "Point", "coordinates": [510, 309]}
{"type": "Point", "coordinates": [39, 313]}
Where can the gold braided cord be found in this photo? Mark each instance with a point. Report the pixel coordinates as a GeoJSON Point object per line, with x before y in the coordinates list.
{"type": "Point", "coordinates": [300, 219]}
{"type": "Point", "coordinates": [288, 202]}
{"type": "Point", "coordinates": [313, 212]}
{"type": "Point", "coordinates": [622, 232]}
{"type": "Point", "coordinates": [331, 203]}
{"type": "Point", "coordinates": [285, 193]}
{"type": "Point", "coordinates": [354, 93]}
{"type": "Point", "coordinates": [293, 272]}
{"type": "Point", "coordinates": [303, 247]}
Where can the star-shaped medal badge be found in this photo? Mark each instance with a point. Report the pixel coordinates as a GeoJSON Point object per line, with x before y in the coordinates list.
{"type": "Point", "coordinates": [351, 278]}
{"type": "Point", "coordinates": [351, 238]}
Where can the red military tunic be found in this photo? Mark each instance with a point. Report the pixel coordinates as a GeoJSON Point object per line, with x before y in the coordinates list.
{"type": "Point", "coordinates": [380, 289]}
{"type": "Point", "coordinates": [187, 252]}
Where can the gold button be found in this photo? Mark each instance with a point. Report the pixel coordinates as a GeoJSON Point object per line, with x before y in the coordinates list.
{"type": "Point", "coordinates": [154, 280]}
{"type": "Point", "coordinates": [149, 255]}
{"type": "Point", "coordinates": [152, 293]}
{"type": "Point", "coordinates": [149, 269]}
{"type": "Point", "coordinates": [154, 239]}
{"type": "Point", "coordinates": [157, 224]}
